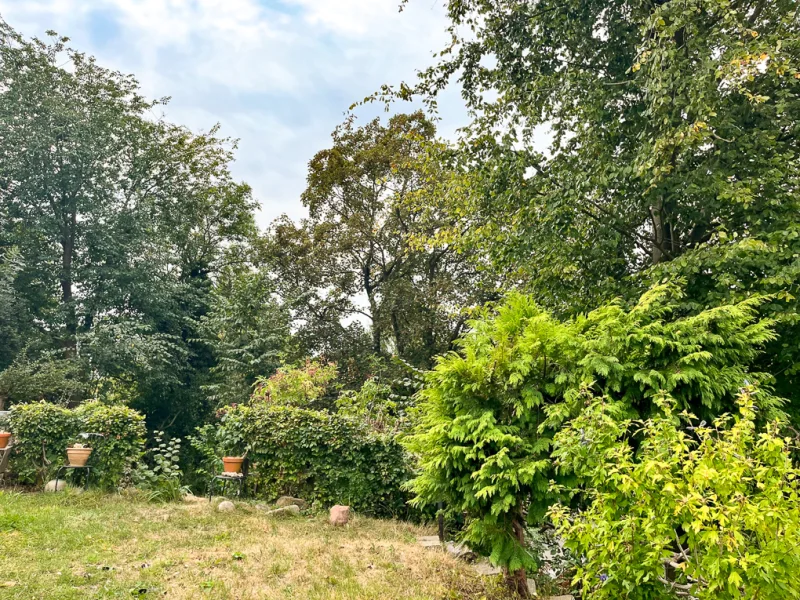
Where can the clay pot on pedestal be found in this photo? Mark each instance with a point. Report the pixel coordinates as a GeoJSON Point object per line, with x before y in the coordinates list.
{"type": "Point", "coordinates": [78, 455]}
{"type": "Point", "coordinates": [232, 464]}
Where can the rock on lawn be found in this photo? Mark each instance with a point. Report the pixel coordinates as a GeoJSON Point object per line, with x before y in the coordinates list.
{"type": "Point", "coordinates": [340, 515]}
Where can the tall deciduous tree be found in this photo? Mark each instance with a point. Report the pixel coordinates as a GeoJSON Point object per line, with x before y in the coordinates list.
{"type": "Point", "coordinates": [358, 249]}
{"type": "Point", "coordinates": [121, 220]}
{"type": "Point", "coordinates": [674, 128]}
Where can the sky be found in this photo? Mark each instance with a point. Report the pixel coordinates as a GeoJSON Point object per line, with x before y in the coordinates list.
{"type": "Point", "coordinates": [279, 75]}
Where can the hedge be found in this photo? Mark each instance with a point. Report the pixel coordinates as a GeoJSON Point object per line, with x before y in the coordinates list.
{"type": "Point", "coordinates": [321, 457]}
{"type": "Point", "coordinates": [42, 432]}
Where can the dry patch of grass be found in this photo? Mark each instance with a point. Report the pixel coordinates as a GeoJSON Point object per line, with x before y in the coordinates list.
{"type": "Point", "coordinates": [70, 547]}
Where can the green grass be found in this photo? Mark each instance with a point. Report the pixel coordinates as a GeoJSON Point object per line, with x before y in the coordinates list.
{"type": "Point", "coordinates": [70, 546]}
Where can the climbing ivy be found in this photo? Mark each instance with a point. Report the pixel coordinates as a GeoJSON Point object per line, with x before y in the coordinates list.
{"type": "Point", "coordinates": [42, 432]}
{"type": "Point", "coordinates": [321, 457]}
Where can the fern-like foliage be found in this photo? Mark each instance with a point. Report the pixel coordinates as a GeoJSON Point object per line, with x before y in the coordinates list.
{"type": "Point", "coordinates": [489, 411]}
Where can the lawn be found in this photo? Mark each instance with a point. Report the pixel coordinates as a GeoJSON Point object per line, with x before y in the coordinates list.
{"type": "Point", "coordinates": [80, 546]}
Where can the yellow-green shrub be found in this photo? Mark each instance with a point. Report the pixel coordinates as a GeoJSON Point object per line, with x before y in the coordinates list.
{"type": "Point", "coordinates": [704, 511]}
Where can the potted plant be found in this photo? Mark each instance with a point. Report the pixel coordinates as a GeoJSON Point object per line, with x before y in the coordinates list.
{"type": "Point", "coordinates": [78, 454]}
{"type": "Point", "coordinates": [5, 436]}
{"type": "Point", "coordinates": [233, 451]}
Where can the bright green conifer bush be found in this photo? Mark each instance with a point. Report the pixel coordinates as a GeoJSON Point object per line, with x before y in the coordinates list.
{"type": "Point", "coordinates": [489, 412]}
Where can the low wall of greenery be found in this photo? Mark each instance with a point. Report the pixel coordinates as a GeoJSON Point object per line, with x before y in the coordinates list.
{"type": "Point", "coordinates": [321, 457]}
{"type": "Point", "coordinates": [42, 432]}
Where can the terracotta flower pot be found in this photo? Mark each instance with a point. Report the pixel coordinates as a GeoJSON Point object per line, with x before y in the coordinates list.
{"type": "Point", "coordinates": [4, 437]}
{"type": "Point", "coordinates": [78, 456]}
{"type": "Point", "coordinates": [232, 464]}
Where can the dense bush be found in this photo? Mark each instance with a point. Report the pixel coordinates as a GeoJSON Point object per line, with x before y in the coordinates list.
{"type": "Point", "coordinates": [43, 431]}
{"type": "Point", "coordinates": [373, 404]}
{"type": "Point", "coordinates": [57, 380]}
{"type": "Point", "coordinates": [489, 412]}
{"type": "Point", "coordinates": [297, 386]}
{"type": "Point", "coordinates": [322, 457]}
{"type": "Point", "coordinates": [707, 511]}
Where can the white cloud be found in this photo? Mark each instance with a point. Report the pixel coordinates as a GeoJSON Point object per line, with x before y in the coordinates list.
{"type": "Point", "coordinates": [278, 74]}
{"type": "Point", "coordinates": [357, 18]}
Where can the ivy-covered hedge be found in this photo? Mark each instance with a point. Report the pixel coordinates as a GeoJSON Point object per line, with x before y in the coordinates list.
{"type": "Point", "coordinates": [42, 432]}
{"type": "Point", "coordinates": [321, 457]}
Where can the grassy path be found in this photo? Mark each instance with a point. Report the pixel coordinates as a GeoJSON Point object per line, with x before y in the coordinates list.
{"type": "Point", "coordinates": [78, 547]}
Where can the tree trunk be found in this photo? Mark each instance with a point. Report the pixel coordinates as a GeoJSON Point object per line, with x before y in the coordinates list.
{"type": "Point", "coordinates": [658, 234]}
{"type": "Point", "coordinates": [517, 580]}
{"type": "Point", "coordinates": [398, 336]}
{"type": "Point", "coordinates": [373, 307]}
{"type": "Point", "coordinates": [67, 256]}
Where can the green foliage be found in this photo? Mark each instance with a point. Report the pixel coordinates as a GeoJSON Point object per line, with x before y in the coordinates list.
{"type": "Point", "coordinates": [711, 511]}
{"type": "Point", "coordinates": [14, 322]}
{"type": "Point", "coordinates": [374, 405]}
{"type": "Point", "coordinates": [357, 246]}
{"type": "Point", "coordinates": [119, 223]}
{"type": "Point", "coordinates": [247, 328]}
{"type": "Point", "coordinates": [297, 386]}
{"type": "Point", "coordinates": [488, 413]}
{"type": "Point", "coordinates": [207, 448]}
{"type": "Point", "coordinates": [123, 432]}
{"type": "Point", "coordinates": [159, 473]}
{"type": "Point", "coordinates": [43, 431]}
{"type": "Point", "coordinates": [321, 457]}
{"type": "Point", "coordinates": [621, 142]}
{"type": "Point", "coordinates": [50, 377]}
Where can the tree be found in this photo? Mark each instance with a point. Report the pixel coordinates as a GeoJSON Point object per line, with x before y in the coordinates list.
{"type": "Point", "coordinates": [120, 221]}
{"type": "Point", "coordinates": [13, 323]}
{"type": "Point", "coordinates": [247, 326]}
{"type": "Point", "coordinates": [488, 413]}
{"type": "Point", "coordinates": [673, 149]}
{"type": "Point", "coordinates": [359, 243]}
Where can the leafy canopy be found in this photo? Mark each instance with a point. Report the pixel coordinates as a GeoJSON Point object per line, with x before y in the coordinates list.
{"type": "Point", "coordinates": [670, 132]}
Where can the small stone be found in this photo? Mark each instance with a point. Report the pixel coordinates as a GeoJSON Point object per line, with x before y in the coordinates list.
{"type": "Point", "coordinates": [461, 552]}
{"type": "Point", "coordinates": [289, 501]}
{"type": "Point", "coordinates": [285, 511]}
{"type": "Point", "coordinates": [429, 541]}
{"type": "Point", "coordinates": [51, 485]}
{"type": "Point", "coordinates": [340, 515]}
{"type": "Point", "coordinates": [226, 506]}
{"type": "Point", "coordinates": [485, 568]}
